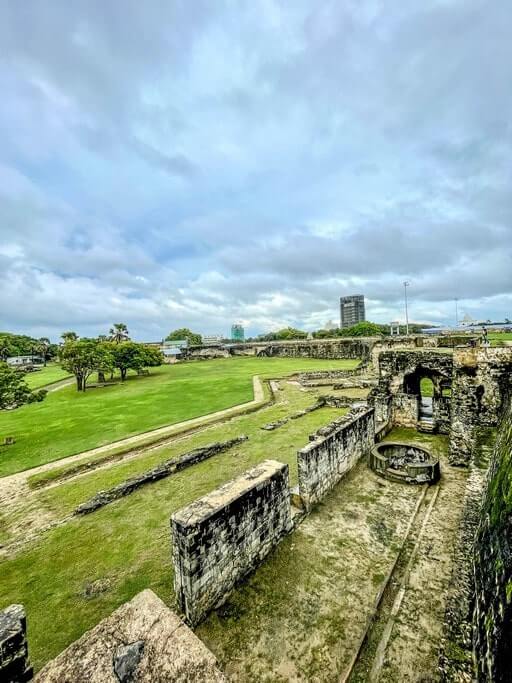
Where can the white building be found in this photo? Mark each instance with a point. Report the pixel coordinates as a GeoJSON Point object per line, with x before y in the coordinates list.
{"type": "Point", "coordinates": [212, 339]}
{"type": "Point", "coordinates": [24, 361]}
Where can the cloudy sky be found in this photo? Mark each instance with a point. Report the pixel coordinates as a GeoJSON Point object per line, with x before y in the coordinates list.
{"type": "Point", "coordinates": [199, 162]}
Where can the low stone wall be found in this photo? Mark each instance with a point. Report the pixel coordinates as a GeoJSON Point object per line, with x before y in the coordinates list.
{"type": "Point", "coordinates": [141, 642]}
{"type": "Point", "coordinates": [323, 462]}
{"type": "Point", "coordinates": [163, 470]}
{"type": "Point", "coordinates": [14, 662]}
{"type": "Point", "coordinates": [320, 403]}
{"type": "Point", "coordinates": [361, 369]}
{"type": "Point", "coordinates": [222, 537]}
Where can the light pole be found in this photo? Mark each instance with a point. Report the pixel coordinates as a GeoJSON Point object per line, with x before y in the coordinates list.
{"type": "Point", "coordinates": [456, 312]}
{"type": "Point", "coordinates": [406, 284]}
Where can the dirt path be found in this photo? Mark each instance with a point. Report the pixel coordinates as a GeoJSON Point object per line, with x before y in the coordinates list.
{"type": "Point", "coordinates": [403, 642]}
{"type": "Point", "coordinates": [60, 384]}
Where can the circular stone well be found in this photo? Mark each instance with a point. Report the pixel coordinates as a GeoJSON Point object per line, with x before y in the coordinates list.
{"type": "Point", "coordinates": [404, 462]}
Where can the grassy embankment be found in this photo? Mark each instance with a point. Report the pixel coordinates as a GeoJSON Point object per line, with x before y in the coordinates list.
{"type": "Point", "coordinates": [125, 547]}
{"type": "Point", "coordinates": [47, 375]}
{"type": "Point", "coordinates": [69, 422]}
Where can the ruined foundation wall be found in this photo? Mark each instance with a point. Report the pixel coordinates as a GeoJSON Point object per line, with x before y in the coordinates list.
{"type": "Point", "coordinates": [323, 462]}
{"type": "Point", "coordinates": [220, 538]}
{"type": "Point", "coordinates": [482, 378]}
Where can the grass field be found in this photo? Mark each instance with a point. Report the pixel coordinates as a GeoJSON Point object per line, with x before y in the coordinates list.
{"type": "Point", "coordinates": [126, 545]}
{"type": "Point", "coordinates": [51, 373]}
{"type": "Point", "coordinates": [69, 422]}
{"type": "Point", "coordinates": [497, 337]}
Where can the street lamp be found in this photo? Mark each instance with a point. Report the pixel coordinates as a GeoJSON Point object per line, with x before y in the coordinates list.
{"type": "Point", "coordinates": [406, 284]}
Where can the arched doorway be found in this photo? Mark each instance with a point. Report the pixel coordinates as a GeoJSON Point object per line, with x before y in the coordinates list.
{"type": "Point", "coordinates": [431, 390]}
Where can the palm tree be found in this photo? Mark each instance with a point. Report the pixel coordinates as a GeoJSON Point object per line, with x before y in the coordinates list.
{"type": "Point", "coordinates": [119, 333]}
{"type": "Point", "coordinates": [4, 352]}
{"type": "Point", "coordinates": [42, 346]}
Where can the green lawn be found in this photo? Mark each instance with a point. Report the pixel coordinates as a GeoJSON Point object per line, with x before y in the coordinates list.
{"type": "Point", "coordinates": [51, 373]}
{"type": "Point", "coordinates": [497, 337]}
{"type": "Point", "coordinates": [427, 388]}
{"type": "Point", "coordinates": [68, 422]}
{"type": "Point", "coordinates": [127, 544]}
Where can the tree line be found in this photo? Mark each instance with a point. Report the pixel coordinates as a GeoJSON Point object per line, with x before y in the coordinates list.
{"type": "Point", "coordinates": [23, 345]}
{"type": "Point", "coordinates": [105, 354]}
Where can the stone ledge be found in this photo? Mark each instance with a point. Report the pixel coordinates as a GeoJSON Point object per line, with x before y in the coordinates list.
{"type": "Point", "coordinates": [142, 641]}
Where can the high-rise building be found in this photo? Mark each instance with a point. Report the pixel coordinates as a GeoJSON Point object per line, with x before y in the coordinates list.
{"type": "Point", "coordinates": [351, 310]}
{"type": "Point", "coordinates": [237, 332]}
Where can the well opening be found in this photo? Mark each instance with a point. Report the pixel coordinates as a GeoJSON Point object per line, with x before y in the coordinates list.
{"type": "Point", "coordinates": [404, 462]}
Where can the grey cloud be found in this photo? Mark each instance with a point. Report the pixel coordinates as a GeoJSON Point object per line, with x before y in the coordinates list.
{"type": "Point", "coordinates": [197, 162]}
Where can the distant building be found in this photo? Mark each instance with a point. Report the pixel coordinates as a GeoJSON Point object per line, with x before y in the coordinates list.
{"type": "Point", "coordinates": [24, 361]}
{"type": "Point", "coordinates": [351, 310]}
{"type": "Point", "coordinates": [330, 325]}
{"type": "Point", "coordinates": [172, 350]}
{"type": "Point", "coordinates": [237, 332]}
{"type": "Point", "coordinates": [212, 339]}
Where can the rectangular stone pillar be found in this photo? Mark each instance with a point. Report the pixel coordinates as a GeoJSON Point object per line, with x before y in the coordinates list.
{"type": "Point", "coordinates": [220, 538]}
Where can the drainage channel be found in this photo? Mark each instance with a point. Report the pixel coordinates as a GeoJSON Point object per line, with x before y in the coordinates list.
{"type": "Point", "coordinates": [367, 664]}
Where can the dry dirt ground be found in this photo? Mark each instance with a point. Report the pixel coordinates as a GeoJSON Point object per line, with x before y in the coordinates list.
{"type": "Point", "coordinates": [302, 615]}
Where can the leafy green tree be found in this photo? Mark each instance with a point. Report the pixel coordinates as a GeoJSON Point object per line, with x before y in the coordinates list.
{"type": "Point", "coordinates": [130, 355]}
{"type": "Point", "coordinates": [364, 329]}
{"type": "Point", "coordinates": [13, 390]}
{"type": "Point", "coordinates": [152, 357]}
{"type": "Point", "coordinates": [69, 336]}
{"type": "Point", "coordinates": [83, 357]}
{"type": "Point", "coordinates": [194, 339]}
{"type": "Point", "coordinates": [284, 334]}
{"type": "Point", "coordinates": [119, 333]}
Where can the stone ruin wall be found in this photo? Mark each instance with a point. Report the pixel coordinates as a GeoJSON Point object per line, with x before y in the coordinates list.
{"type": "Point", "coordinates": [492, 565]}
{"type": "Point", "coordinates": [482, 379]}
{"type": "Point", "coordinates": [391, 397]}
{"type": "Point", "coordinates": [363, 348]}
{"type": "Point", "coordinates": [323, 462]}
{"type": "Point", "coordinates": [220, 538]}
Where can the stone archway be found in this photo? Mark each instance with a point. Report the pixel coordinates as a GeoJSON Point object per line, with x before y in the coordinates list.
{"type": "Point", "coordinates": [399, 393]}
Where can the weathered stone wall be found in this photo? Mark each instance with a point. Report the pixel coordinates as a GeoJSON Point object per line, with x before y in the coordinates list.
{"type": "Point", "coordinates": [492, 617]}
{"type": "Point", "coordinates": [141, 642]}
{"type": "Point", "coordinates": [398, 389]}
{"type": "Point", "coordinates": [332, 374]}
{"type": "Point", "coordinates": [482, 378]}
{"type": "Point", "coordinates": [220, 538]}
{"type": "Point", "coordinates": [323, 462]}
{"type": "Point", "coordinates": [14, 662]}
